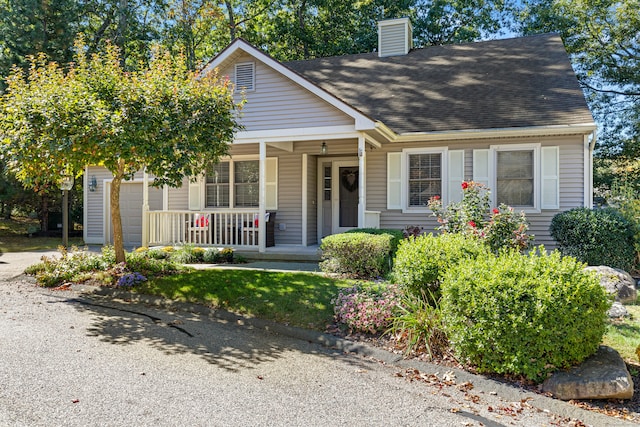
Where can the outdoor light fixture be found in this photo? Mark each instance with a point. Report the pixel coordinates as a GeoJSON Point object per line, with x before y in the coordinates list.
{"type": "Point", "coordinates": [323, 149]}
{"type": "Point", "coordinates": [93, 184]}
{"type": "Point", "coordinates": [66, 182]}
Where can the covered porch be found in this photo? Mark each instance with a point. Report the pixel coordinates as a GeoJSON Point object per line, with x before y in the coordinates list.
{"type": "Point", "coordinates": [305, 206]}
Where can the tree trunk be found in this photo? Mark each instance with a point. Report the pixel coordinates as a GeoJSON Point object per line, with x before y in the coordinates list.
{"type": "Point", "coordinates": [116, 219]}
{"type": "Point", "coordinates": [232, 20]}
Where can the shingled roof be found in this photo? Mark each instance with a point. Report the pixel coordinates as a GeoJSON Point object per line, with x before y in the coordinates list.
{"type": "Point", "coordinates": [510, 83]}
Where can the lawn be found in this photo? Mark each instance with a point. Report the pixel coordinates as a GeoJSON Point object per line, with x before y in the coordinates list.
{"type": "Point", "coordinates": [624, 335]}
{"type": "Point", "coordinates": [297, 299]}
{"type": "Point", "coordinates": [14, 237]}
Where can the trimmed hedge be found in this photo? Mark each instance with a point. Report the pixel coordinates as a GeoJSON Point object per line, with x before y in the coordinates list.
{"type": "Point", "coordinates": [523, 314]}
{"type": "Point", "coordinates": [421, 262]}
{"type": "Point", "coordinates": [358, 254]}
{"type": "Point", "coordinates": [595, 236]}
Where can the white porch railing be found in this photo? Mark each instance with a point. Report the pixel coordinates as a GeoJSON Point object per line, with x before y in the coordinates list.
{"type": "Point", "coordinates": [205, 228]}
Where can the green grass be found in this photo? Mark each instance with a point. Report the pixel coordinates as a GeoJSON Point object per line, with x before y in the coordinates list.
{"type": "Point", "coordinates": [624, 335]}
{"type": "Point", "coordinates": [14, 238]}
{"type": "Point", "coordinates": [297, 299]}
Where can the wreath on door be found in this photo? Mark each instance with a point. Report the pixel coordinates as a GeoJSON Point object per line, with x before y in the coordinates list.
{"type": "Point", "coordinates": [350, 180]}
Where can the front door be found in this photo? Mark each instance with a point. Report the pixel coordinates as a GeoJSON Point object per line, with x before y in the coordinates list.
{"type": "Point", "coordinates": [345, 181]}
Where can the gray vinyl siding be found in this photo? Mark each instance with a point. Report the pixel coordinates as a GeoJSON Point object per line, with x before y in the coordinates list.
{"type": "Point", "coordinates": [312, 200]}
{"type": "Point", "coordinates": [94, 203]}
{"type": "Point", "coordinates": [277, 103]}
{"type": "Point", "coordinates": [289, 210]}
{"type": "Point", "coordinates": [392, 40]}
{"type": "Point", "coordinates": [96, 200]}
{"type": "Point", "coordinates": [571, 183]}
{"type": "Point", "coordinates": [179, 197]}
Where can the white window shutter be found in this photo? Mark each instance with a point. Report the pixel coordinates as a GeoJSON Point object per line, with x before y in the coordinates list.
{"type": "Point", "coordinates": [195, 195]}
{"type": "Point", "coordinates": [481, 166]}
{"type": "Point", "coordinates": [550, 177]}
{"type": "Point", "coordinates": [456, 175]}
{"type": "Point", "coordinates": [271, 183]}
{"type": "Point", "coordinates": [394, 180]}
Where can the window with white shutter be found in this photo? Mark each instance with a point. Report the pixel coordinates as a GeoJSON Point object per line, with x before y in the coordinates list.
{"type": "Point", "coordinates": [456, 175]}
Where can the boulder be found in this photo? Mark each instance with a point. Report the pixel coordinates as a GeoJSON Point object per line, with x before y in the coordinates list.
{"type": "Point", "coordinates": [617, 310]}
{"type": "Point", "coordinates": [601, 376]}
{"type": "Point", "coordinates": [617, 282]}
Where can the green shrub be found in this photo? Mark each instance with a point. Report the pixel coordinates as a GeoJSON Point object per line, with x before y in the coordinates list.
{"type": "Point", "coordinates": [397, 235]}
{"type": "Point", "coordinates": [421, 261]}
{"type": "Point", "coordinates": [211, 256]}
{"type": "Point", "coordinates": [595, 236]}
{"type": "Point", "coordinates": [359, 255]}
{"type": "Point", "coordinates": [523, 314]}
{"type": "Point", "coordinates": [149, 267]}
{"type": "Point", "coordinates": [187, 254]}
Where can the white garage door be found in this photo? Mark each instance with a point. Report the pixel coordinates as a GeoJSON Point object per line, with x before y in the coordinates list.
{"type": "Point", "coordinates": [131, 211]}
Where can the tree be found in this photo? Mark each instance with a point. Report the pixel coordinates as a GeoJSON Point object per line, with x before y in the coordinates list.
{"type": "Point", "coordinates": [602, 38]}
{"type": "Point", "coordinates": [164, 119]}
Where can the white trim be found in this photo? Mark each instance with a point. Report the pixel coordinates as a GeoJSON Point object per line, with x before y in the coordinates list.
{"type": "Point", "coordinates": [588, 169]}
{"type": "Point", "coordinates": [335, 192]}
{"type": "Point", "coordinates": [165, 198]}
{"type": "Point", "coordinates": [362, 180]}
{"type": "Point", "coordinates": [362, 122]}
{"type": "Point", "coordinates": [444, 173]}
{"type": "Point", "coordinates": [305, 202]}
{"type": "Point", "coordinates": [575, 129]}
{"type": "Point", "coordinates": [262, 185]}
{"type": "Point", "coordinates": [296, 134]}
{"type": "Point", "coordinates": [537, 184]}
{"type": "Point", "coordinates": [85, 198]}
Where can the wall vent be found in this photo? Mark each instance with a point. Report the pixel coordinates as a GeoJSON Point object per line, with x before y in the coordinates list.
{"type": "Point", "coordinates": [245, 76]}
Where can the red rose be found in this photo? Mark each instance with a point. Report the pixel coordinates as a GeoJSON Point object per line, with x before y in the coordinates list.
{"type": "Point", "coordinates": [436, 197]}
{"type": "Point", "coordinates": [465, 185]}
{"type": "Point", "coordinates": [496, 211]}
{"type": "Point", "coordinates": [473, 224]}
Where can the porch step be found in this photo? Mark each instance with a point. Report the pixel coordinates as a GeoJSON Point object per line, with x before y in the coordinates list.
{"type": "Point", "coordinates": [279, 256]}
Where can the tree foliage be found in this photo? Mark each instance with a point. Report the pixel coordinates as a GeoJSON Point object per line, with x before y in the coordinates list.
{"type": "Point", "coordinates": [56, 121]}
{"type": "Point", "coordinates": [602, 38]}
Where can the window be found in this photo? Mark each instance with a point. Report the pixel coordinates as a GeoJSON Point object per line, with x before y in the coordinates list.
{"type": "Point", "coordinates": [415, 175]}
{"type": "Point", "coordinates": [425, 178]}
{"type": "Point", "coordinates": [235, 184]}
{"type": "Point", "coordinates": [246, 179]}
{"type": "Point", "coordinates": [525, 176]}
{"type": "Point", "coordinates": [217, 186]}
{"type": "Point", "coordinates": [515, 178]}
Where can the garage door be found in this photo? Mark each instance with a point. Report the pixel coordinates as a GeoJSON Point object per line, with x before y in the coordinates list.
{"type": "Point", "coordinates": [131, 211]}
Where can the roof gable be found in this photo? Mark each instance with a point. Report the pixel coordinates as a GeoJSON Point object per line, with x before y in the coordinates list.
{"type": "Point", "coordinates": [239, 48]}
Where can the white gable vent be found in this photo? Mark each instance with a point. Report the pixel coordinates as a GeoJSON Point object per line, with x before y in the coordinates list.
{"type": "Point", "coordinates": [395, 37]}
{"type": "Point", "coordinates": [245, 76]}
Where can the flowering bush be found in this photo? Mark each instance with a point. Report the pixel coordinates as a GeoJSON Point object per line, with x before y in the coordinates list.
{"type": "Point", "coordinates": [507, 229]}
{"type": "Point", "coordinates": [467, 216]}
{"type": "Point", "coordinates": [501, 228]}
{"type": "Point", "coordinates": [129, 280]}
{"type": "Point", "coordinates": [366, 309]}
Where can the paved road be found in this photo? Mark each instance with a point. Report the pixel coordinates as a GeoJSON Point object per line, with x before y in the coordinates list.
{"type": "Point", "coordinates": [73, 360]}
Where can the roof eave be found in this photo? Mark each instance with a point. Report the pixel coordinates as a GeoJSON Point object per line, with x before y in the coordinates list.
{"type": "Point", "coordinates": [572, 129]}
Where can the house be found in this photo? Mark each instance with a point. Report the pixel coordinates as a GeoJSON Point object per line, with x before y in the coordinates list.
{"type": "Point", "coordinates": [365, 140]}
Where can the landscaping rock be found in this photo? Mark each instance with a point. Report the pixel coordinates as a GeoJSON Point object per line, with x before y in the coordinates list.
{"type": "Point", "coordinates": [617, 310]}
{"type": "Point", "coordinates": [617, 282]}
{"type": "Point", "coordinates": [602, 376]}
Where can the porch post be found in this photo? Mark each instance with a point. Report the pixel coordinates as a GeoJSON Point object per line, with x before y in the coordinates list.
{"type": "Point", "coordinates": [362, 180]}
{"type": "Point", "coordinates": [145, 209]}
{"type": "Point", "coordinates": [262, 227]}
{"type": "Point", "coordinates": [305, 197]}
